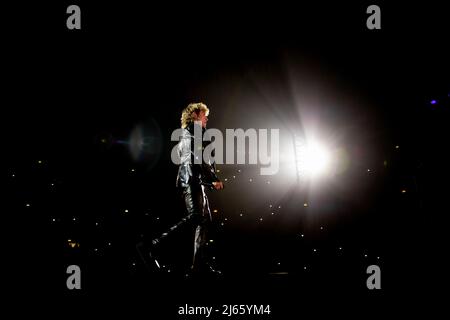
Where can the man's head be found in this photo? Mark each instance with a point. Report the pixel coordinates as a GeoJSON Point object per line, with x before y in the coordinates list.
{"type": "Point", "coordinates": [194, 112]}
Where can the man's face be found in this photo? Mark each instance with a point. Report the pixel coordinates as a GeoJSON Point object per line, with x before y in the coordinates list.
{"type": "Point", "coordinates": [203, 118]}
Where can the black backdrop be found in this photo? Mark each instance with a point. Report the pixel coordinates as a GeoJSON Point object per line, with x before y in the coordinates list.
{"type": "Point", "coordinates": [70, 96]}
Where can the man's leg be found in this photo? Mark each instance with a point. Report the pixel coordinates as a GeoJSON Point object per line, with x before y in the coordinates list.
{"type": "Point", "coordinates": [194, 198]}
{"type": "Point", "coordinates": [200, 239]}
{"type": "Point", "coordinates": [193, 205]}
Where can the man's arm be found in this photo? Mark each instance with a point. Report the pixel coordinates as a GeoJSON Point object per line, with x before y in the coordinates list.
{"type": "Point", "coordinates": [210, 176]}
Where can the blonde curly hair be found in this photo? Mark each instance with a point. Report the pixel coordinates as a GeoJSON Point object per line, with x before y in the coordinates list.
{"type": "Point", "coordinates": [187, 116]}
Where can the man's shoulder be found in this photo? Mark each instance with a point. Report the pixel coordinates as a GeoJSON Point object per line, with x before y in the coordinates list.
{"type": "Point", "coordinates": [185, 133]}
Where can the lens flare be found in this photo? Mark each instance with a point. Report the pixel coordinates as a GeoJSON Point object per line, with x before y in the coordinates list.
{"type": "Point", "coordinates": [312, 158]}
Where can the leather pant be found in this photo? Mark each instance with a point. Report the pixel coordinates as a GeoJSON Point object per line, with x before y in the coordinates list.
{"type": "Point", "coordinates": [197, 205]}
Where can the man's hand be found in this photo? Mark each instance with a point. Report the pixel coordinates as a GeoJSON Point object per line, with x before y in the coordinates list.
{"type": "Point", "coordinates": [218, 185]}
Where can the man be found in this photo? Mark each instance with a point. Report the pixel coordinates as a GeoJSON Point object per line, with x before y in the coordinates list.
{"type": "Point", "coordinates": [193, 176]}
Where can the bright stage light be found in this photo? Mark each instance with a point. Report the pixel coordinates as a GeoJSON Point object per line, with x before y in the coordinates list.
{"type": "Point", "coordinates": [312, 158]}
{"type": "Point", "coordinates": [316, 159]}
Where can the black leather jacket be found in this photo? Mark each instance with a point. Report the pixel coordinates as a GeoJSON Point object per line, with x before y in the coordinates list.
{"type": "Point", "coordinates": [190, 173]}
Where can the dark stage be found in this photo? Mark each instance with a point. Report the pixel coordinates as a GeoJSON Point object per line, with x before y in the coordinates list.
{"type": "Point", "coordinates": [88, 119]}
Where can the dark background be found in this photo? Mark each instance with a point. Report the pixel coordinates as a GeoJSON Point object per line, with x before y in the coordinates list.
{"type": "Point", "coordinates": [70, 97]}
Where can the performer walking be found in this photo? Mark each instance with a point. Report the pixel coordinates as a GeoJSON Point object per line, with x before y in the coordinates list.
{"type": "Point", "coordinates": [193, 177]}
{"type": "Point", "coordinates": [195, 174]}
